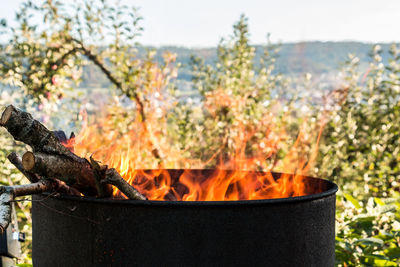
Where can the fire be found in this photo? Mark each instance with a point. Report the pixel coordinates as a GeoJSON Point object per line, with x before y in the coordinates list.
{"type": "Point", "coordinates": [241, 177]}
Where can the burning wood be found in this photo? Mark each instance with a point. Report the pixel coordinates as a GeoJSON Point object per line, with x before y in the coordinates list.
{"type": "Point", "coordinates": [52, 167]}
{"type": "Point", "coordinates": [99, 172]}
{"type": "Point", "coordinates": [114, 178]}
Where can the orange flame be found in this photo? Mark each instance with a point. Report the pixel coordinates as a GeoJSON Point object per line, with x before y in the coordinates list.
{"type": "Point", "coordinates": [241, 177]}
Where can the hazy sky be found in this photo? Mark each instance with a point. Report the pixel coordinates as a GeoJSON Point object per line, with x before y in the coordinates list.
{"type": "Point", "coordinates": [203, 23]}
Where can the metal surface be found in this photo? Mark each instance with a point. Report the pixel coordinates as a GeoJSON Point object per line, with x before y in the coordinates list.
{"type": "Point", "coordinates": [298, 231]}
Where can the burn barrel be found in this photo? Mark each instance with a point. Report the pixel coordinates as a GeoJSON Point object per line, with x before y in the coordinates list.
{"type": "Point", "coordinates": [297, 231]}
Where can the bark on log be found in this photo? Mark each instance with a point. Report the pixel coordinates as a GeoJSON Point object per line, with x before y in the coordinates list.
{"type": "Point", "coordinates": [74, 173]}
{"type": "Point", "coordinates": [114, 178]}
{"type": "Point", "coordinates": [17, 162]}
{"type": "Point", "coordinates": [103, 189]}
{"type": "Point", "coordinates": [5, 209]}
{"type": "Point", "coordinates": [33, 178]}
{"type": "Point", "coordinates": [51, 159]}
{"type": "Point", "coordinates": [31, 189]}
{"type": "Point", "coordinates": [9, 193]}
{"type": "Point", "coordinates": [24, 128]}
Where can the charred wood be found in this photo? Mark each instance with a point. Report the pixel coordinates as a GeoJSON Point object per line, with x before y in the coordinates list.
{"type": "Point", "coordinates": [103, 189]}
{"type": "Point", "coordinates": [114, 178]}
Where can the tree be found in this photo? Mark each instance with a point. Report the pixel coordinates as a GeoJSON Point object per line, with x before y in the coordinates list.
{"type": "Point", "coordinates": [247, 108]}
{"type": "Point", "coordinates": [362, 139]}
{"type": "Point", "coordinates": [46, 59]}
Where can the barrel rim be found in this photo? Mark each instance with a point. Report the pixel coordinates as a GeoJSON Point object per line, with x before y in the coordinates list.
{"type": "Point", "coordinates": [332, 189]}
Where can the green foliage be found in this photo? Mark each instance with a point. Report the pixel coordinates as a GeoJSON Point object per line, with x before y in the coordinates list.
{"type": "Point", "coordinates": [361, 150]}
{"type": "Point", "coordinates": [45, 59]}
{"type": "Point", "coordinates": [235, 95]}
{"type": "Point", "coordinates": [361, 153]}
{"type": "Point", "coordinates": [368, 234]}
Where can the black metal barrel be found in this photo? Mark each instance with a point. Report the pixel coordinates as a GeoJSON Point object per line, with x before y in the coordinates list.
{"type": "Point", "coordinates": [298, 231]}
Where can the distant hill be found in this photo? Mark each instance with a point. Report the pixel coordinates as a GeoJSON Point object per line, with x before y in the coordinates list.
{"type": "Point", "coordinates": [294, 58]}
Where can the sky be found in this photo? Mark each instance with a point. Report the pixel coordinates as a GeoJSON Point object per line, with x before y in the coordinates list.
{"type": "Point", "coordinates": [202, 23]}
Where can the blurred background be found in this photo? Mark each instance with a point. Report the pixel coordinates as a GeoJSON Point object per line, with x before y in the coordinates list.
{"type": "Point", "coordinates": [202, 83]}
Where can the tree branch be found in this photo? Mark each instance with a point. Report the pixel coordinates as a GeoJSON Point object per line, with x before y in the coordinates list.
{"type": "Point", "coordinates": [118, 84]}
{"type": "Point", "coordinates": [98, 63]}
{"type": "Point", "coordinates": [9, 193]}
{"type": "Point", "coordinates": [99, 172]}
{"type": "Point", "coordinates": [114, 178]}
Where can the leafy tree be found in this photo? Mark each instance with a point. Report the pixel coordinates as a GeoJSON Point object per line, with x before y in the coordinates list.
{"type": "Point", "coordinates": [235, 100]}
{"type": "Point", "coordinates": [361, 150]}
{"type": "Point", "coordinates": [46, 59]}
{"type": "Point", "coordinates": [368, 234]}
{"type": "Point", "coordinates": [361, 153]}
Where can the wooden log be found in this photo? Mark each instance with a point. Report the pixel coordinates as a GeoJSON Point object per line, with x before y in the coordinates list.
{"type": "Point", "coordinates": [9, 193]}
{"type": "Point", "coordinates": [60, 187]}
{"type": "Point", "coordinates": [17, 162]}
{"type": "Point", "coordinates": [24, 128]}
{"type": "Point", "coordinates": [34, 188]}
{"type": "Point", "coordinates": [114, 178]}
{"type": "Point", "coordinates": [74, 173]}
{"type": "Point", "coordinates": [5, 209]}
{"type": "Point", "coordinates": [99, 171]}
{"type": "Point", "coordinates": [51, 159]}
